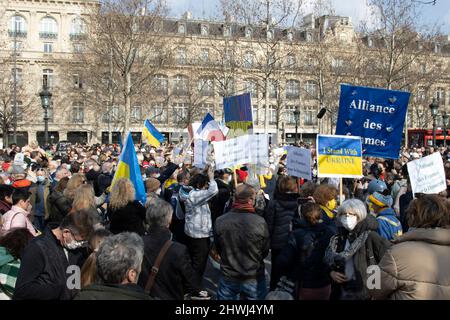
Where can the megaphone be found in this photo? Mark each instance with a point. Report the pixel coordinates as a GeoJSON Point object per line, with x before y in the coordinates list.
{"type": "Point", "coordinates": [321, 113]}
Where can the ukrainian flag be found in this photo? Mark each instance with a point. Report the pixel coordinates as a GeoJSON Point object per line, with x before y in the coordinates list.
{"type": "Point", "coordinates": [128, 167]}
{"type": "Point", "coordinates": [152, 135]}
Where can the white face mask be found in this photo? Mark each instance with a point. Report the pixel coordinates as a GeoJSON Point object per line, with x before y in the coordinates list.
{"type": "Point", "coordinates": [349, 222]}
{"type": "Point", "coordinates": [229, 179]}
{"type": "Point", "coordinates": [158, 192]}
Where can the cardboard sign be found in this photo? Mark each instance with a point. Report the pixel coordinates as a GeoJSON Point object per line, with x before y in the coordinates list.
{"type": "Point", "coordinates": [339, 156]}
{"type": "Point", "coordinates": [427, 175]}
{"type": "Point", "coordinates": [298, 162]}
{"type": "Point", "coordinates": [200, 153]}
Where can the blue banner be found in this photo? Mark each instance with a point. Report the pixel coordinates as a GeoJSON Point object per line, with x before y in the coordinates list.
{"type": "Point", "coordinates": [376, 115]}
{"type": "Point", "coordinates": [238, 114]}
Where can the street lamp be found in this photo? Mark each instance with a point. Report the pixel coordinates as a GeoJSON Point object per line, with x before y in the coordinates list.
{"type": "Point", "coordinates": [445, 117]}
{"type": "Point", "coordinates": [434, 106]}
{"type": "Point", "coordinates": [46, 96]}
{"type": "Point", "coordinates": [297, 118]}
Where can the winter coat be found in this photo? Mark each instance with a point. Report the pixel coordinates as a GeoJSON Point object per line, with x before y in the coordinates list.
{"type": "Point", "coordinates": [302, 258]}
{"type": "Point", "coordinates": [17, 218]}
{"type": "Point", "coordinates": [58, 205]}
{"type": "Point", "coordinates": [197, 215]}
{"type": "Point", "coordinates": [242, 241]}
{"type": "Point", "coordinates": [279, 214]}
{"type": "Point", "coordinates": [417, 267]}
{"type": "Point", "coordinates": [4, 207]}
{"type": "Point", "coordinates": [175, 277]}
{"type": "Point", "coordinates": [43, 270]}
{"type": "Point", "coordinates": [9, 268]}
{"type": "Point", "coordinates": [130, 218]}
{"type": "Point", "coordinates": [389, 227]}
{"type": "Point", "coordinates": [219, 202]}
{"type": "Point", "coordinates": [104, 180]}
{"type": "Point", "coordinates": [128, 291]}
{"type": "Point", "coordinates": [370, 253]}
{"type": "Point", "coordinates": [92, 177]}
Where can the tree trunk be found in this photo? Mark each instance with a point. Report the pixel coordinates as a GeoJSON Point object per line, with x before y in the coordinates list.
{"type": "Point", "coordinates": [266, 107]}
{"type": "Point", "coordinates": [127, 115]}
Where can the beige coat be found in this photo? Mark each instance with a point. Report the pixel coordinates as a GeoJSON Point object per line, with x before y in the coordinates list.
{"type": "Point", "coordinates": [417, 267]}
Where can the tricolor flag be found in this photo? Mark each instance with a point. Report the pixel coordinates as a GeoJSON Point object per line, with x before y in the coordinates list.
{"type": "Point", "coordinates": [128, 167]}
{"type": "Point", "coordinates": [210, 130]}
{"type": "Point", "coordinates": [152, 135]}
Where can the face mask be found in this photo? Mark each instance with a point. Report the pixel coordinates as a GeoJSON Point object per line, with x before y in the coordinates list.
{"type": "Point", "coordinates": [40, 179]}
{"type": "Point", "coordinates": [68, 167]}
{"type": "Point", "coordinates": [74, 245]}
{"type": "Point", "coordinates": [158, 192]}
{"type": "Point", "coordinates": [144, 177]}
{"type": "Point", "coordinates": [349, 222]}
{"type": "Point", "coordinates": [229, 179]}
{"type": "Point", "coordinates": [331, 204]}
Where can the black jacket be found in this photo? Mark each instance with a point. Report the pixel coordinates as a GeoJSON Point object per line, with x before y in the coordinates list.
{"type": "Point", "coordinates": [58, 206]}
{"type": "Point", "coordinates": [112, 292]}
{"type": "Point", "coordinates": [242, 241]}
{"type": "Point", "coordinates": [279, 214]}
{"type": "Point", "coordinates": [4, 207]}
{"type": "Point", "coordinates": [104, 180]}
{"type": "Point", "coordinates": [43, 269]}
{"type": "Point", "coordinates": [92, 177]}
{"type": "Point", "coordinates": [218, 202]}
{"type": "Point", "coordinates": [175, 277]}
{"type": "Point", "coordinates": [130, 218]}
{"type": "Point", "coordinates": [302, 258]}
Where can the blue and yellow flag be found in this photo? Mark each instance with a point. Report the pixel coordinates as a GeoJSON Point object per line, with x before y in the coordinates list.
{"type": "Point", "coordinates": [152, 135]}
{"type": "Point", "coordinates": [128, 167]}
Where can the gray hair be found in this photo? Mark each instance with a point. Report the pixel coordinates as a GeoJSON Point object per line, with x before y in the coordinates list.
{"type": "Point", "coordinates": [159, 213]}
{"type": "Point", "coordinates": [355, 206]}
{"type": "Point", "coordinates": [117, 254]}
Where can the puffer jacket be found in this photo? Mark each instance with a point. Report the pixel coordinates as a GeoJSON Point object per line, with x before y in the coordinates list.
{"type": "Point", "coordinates": [58, 206]}
{"type": "Point", "coordinates": [279, 215]}
{"type": "Point", "coordinates": [417, 267]}
{"type": "Point", "coordinates": [197, 215]}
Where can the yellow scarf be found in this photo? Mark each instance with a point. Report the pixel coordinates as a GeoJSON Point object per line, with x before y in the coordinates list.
{"type": "Point", "coordinates": [329, 213]}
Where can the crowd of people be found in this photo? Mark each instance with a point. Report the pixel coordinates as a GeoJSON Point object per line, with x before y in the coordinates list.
{"type": "Point", "coordinates": [61, 215]}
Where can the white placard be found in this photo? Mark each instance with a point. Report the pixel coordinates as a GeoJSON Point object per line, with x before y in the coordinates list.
{"type": "Point", "coordinates": [259, 149]}
{"type": "Point", "coordinates": [427, 175]}
{"type": "Point", "coordinates": [298, 162]}
{"type": "Point", "coordinates": [200, 153]}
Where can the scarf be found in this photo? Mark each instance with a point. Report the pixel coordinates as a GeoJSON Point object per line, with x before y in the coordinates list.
{"type": "Point", "coordinates": [243, 206]}
{"type": "Point", "coordinates": [329, 213]}
{"type": "Point", "coordinates": [332, 255]}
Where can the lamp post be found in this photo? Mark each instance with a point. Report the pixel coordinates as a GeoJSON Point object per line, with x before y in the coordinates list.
{"type": "Point", "coordinates": [434, 106]}
{"type": "Point", "coordinates": [46, 96]}
{"type": "Point", "coordinates": [445, 117]}
{"type": "Point", "coordinates": [297, 118]}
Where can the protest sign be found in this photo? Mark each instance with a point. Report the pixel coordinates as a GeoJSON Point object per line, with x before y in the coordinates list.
{"type": "Point", "coordinates": [200, 153]}
{"type": "Point", "coordinates": [298, 162]}
{"type": "Point", "coordinates": [238, 114]}
{"type": "Point", "coordinates": [259, 149]}
{"type": "Point", "coordinates": [339, 156]}
{"type": "Point", "coordinates": [376, 115]}
{"type": "Point", "coordinates": [427, 175]}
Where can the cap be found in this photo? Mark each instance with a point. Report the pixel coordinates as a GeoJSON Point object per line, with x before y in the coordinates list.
{"type": "Point", "coordinates": [376, 186]}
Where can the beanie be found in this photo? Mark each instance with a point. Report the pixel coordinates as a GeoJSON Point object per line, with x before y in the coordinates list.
{"type": "Point", "coordinates": [242, 175]}
{"type": "Point", "coordinates": [381, 200]}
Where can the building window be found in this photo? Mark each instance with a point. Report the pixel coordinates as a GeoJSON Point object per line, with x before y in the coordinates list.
{"type": "Point", "coordinates": [272, 114]}
{"type": "Point", "coordinates": [16, 46]}
{"type": "Point", "coordinates": [308, 37]}
{"type": "Point", "coordinates": [204, 30]}
{"type": "Point", "coordinates": [180, 112]}
{"type": "Point", "coordinates": [160, 84]}
{"type": "Point", "coordinates": [248, 32]}
{"type": "Point", "coordinates": [273, 89]}
{"type": "Point", "coordinates": [159, 114]}
{"type": "Point", "coordinates": [311, 88]}
{"type": "Point", "coordinates": [77, 83]}
{"type": "Point", "coordinates": [289, 115]}
{"type": "Point", "coordinates": [206, 87]}
{"type": "Point", "coordinates": [291, 61]}
{"type": "Point", "coordinates": [206, 108]}
{"type": "Point", "coordinates": [180, 85]}
{"type": "Point", "coordinates": [310, 116]}
{"type": "Point", "coordinates": [136, 114]}
{"type": "Point", "coordinates": [290, 36]}
{"type": "Point", "coordinates": [17, 73]}
{"type": "Point", "coordinates": [337, 63]}
{"type": "Point", "coordinates": [112, 115]}
{"type": "Point", "coordinates": [77, 114]}
{"type": "Point", "coordinates": [269, 34]}
{"type": "Point", "coordinates": [17, 27]}
{"type": "Point", "coordinates": [48, 28]}
{"type": "Point", "coordinates": [255, 114]}
{"type": "Point", "coordinates": [77, 28]}
{"type": "Point", "coordinates": [204, 55]}
{"type": "Point", "coordinates": [440, 95]}
{"type": "Point", "coordinates": [181, 28]}
{"type": "Point", "coordinates": [181, 56]}
{"type": "Point", "coordinates": [225, 86]}
{"type": "Point", "coordinates": [226, 31]}
{"type": "Point", "coordinates": [77, 48]}
{"type": "Point", "coordinates": [250, 87]}
{"type": "Point", "coordinates": [19, 110]}
{"type": "Point", "coordinates": [249, 59]}
{"type": "Point", "coordinates": [48, 47]}
{"type": "Point", "coordinates": [292, 89]}
{"type": "Point", "coordinates": [47, 78]}
{"type": "Point", "coordinates": [421, 94]}
{"type": "Point", "coordinates": [370, 42]}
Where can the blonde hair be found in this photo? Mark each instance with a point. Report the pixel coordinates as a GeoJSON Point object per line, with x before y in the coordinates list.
{"type": "Point", "coordinates": [73, 184]}
{"type": "Point", "coordinates": [84, 198]}
{"type": "Point", "coordinates": [121, 194]}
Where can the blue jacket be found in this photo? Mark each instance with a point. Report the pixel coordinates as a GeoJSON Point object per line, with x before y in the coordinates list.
{"type": "Point", "coordinates": [389, 227]}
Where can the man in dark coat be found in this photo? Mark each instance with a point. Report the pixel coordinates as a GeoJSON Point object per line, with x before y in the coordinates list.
{"type": "Point", "coordinates": [45, 266]}
{"type": "Point", "coordinates": [219, 203]}
{"type": "Point", "coordinates": [175, 277]}
{"type": "Point", "coordinates": [119, 261]}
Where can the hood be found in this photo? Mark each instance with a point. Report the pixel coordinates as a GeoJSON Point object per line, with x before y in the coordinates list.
{"type": "Point", "coordinates": [439, 236]}
{"type": "Point", "coordinates": [5, 257]}
{"type": "Point", "coordinates": [287, 200]}
{"type": "Point", "coordinates": [184, 192]}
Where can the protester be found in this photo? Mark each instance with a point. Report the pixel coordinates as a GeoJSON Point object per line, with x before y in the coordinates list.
{"type": "Point", "coordinates": [153, 188]}
{"type": "Point", "coordinates": [6, 192]}
{"type": "Point", "coordinates": [175, 277]}
{"type": "Point", "coordinates": [12, 245]}
{"type": "Point", "coordinates": [242, 240]}
{"type": "Point", "coordinates": [124, 212]}
{"type": "Point", "coordinates": [44, 270]}
{"type": "Point", "coordinates": [119, 260]}
{"type": "Point", "coordinates": [301, 259]}
{"type": "Point", "coordinates": [179, 208]}
{"type": "Point", "coordinates": [279, 215]}
{"type": "Point", "coordinates": [389, 227]}
{"type": "Point", "coordinates": [58, 206]}
{"type": "Point", "coordinates": [105, 179]}
{"type": "Point", "coordinates": [38, 202]}
{"type": "Point", "coordinates": [220, 201]}
{"type": "Point", "coordinates": [416, 266]}
{"type": "Point", "coordinates": [355, 247]}
{"type": "Point", "coordinates": [19, 215]}
{"type": "Point", "coordinates": [325, 196]}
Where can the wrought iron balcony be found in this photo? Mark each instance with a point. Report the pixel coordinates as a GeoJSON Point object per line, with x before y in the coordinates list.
{"type": "Point", "coordinates": [18, 34]}
{"type": "Point", "coordinates": [48, 35]}
{"type": "Point", "coordinates": [77, 36]}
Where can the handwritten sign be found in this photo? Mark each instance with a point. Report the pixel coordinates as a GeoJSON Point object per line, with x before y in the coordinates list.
{"type": "Point", "coordinates": [427, 175]}
{"type": "Point", "coordinates": [298, 162]}
{"type": "Point", "coordinates": [200, 153]}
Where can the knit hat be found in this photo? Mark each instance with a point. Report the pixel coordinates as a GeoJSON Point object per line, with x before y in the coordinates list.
{"type": "Point", "coordinates": [381, 200]}
{"type": "Point", "coordinates": [242, 174]}
{"type": "Point", "coordinates": [151, 170]}
{"type": "Point", "coordinates": [152, 184]}
{"type": "Point", "coordinates": [376, 186]}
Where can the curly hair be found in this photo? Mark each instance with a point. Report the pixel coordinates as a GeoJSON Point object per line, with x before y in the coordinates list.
{"type": "Point", "coordinates": [324, 193]}
{"type": "Point", "coordinates": [121, 194]}
{"type": "Point", "coordinates": [15, 241]}
{"type": "Point", "coordinates": [73, 184]}
{"type": "Point", "coordinates": [84, 198]}
{"type": "Point", "coordinates": [428, 211]}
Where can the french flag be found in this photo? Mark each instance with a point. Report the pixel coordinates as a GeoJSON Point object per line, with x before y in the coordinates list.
{"type": "Point", "coordinates": [210, 130]}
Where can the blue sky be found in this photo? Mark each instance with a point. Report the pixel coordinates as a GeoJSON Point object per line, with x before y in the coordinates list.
{"type": "Point", "coordinates": [356, 9]}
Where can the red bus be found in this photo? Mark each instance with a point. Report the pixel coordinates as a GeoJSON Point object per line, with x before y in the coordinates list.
{"type": "Point", "coordinates": [424, 137]}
